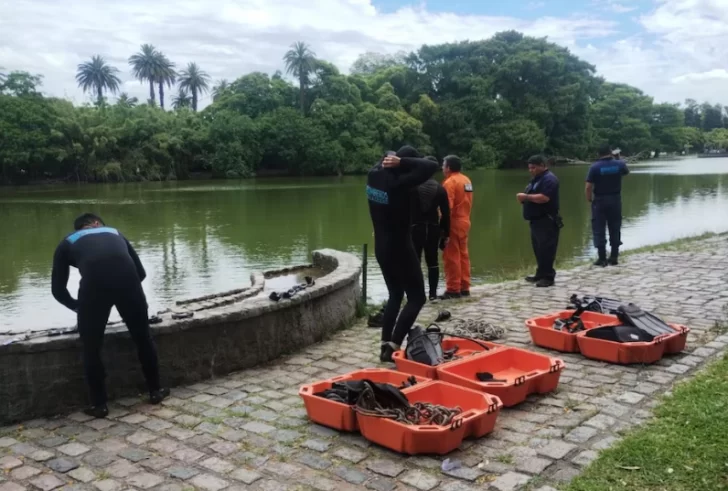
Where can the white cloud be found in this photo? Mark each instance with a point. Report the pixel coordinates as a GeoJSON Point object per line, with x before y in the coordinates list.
{"type": "Point", "coordinates": [535, 5]}
{"type": "Point", "coordinates": [717, 74]}
{"type": "Point", "coordinates": [229, 38]}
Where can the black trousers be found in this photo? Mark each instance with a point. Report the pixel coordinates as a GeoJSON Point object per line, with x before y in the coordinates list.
{"type": "Point", "coordinates": [545, 242]}
{"type": "Point", "coordinates": [94, 307]}
{"type": "Point", "coordinates": [426, 237]}
{"type": "Point", "coordinates": [402, 275]}
{"type": "Point", "coordinates": [607, 214]}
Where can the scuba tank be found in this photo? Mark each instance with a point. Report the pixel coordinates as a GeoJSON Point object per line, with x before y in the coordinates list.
{"type": "Point", "coordinates": [425, 346]}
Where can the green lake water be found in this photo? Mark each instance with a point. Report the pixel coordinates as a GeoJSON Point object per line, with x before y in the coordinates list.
{"type": "Point", "coordinates": [204, 237]}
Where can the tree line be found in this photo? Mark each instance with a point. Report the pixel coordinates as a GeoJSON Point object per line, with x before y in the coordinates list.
{"type": "Point", "coordinates": [493, 102]}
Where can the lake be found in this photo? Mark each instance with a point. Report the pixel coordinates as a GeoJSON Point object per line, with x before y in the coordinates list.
{"type": "Point", "coordinates": [204, 237]}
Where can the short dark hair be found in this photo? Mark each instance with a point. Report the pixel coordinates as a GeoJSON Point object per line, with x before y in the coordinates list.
{"type": "Point", "coordinates": [605, 149]}
{"type": "Point", "coordinates": [432, 158]}
{"type": "Point", "coordinates": [86, 219]}
{"type": "Point", "coordinates": [453, 163]}
{"type": "Point", "coordinates": [537, 160]}
{"type": "Point", "coordinates": [408, 151]}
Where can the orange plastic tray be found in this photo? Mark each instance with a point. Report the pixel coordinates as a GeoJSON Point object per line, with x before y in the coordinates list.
{"type": "Point", "coordinates": [480, 412]}
{"type": "Point", "coordinates": [488, 406]}
{"type": "Point", "coordinates": [466, 349]}
{"type": "Point", "coordinates": [675, 343]}
{"type": "Point", "coordinates": [338, 415]}
{"type": "Point", "coordinates": [543, 332]}
{"type": "Point", "coordinates": [623, 353]}
{"type": "Point", "coordinates": [524, 373]}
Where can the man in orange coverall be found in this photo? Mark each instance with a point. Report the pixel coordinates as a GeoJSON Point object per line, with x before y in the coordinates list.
{"type": "Point", "coordinates": [455, 256]}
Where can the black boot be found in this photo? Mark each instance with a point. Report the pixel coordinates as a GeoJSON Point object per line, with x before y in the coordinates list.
{"type": "Point", "coordinates": [97, 411]}
{"type": "Point", "coordinates": [157, 396]}
{"type": "Point", "coordinates": [387, 350]}
{"type": "Point", "coordinates": [602, 261]}
{"type": "Point", "coordinates": [614, 257]}
{"type": "Point", "coordinates": [433, 275]}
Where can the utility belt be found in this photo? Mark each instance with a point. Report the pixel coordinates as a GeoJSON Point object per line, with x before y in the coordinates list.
{"type": "Point", "coordinates": [557, 219]}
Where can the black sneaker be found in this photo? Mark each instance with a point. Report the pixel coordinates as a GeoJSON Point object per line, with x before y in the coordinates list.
{"type": "Point", "coordinates": [157, 396]}
{"type": "Point", "coordinates": [613, 261]}
{"type": "Point", "coordinates": [450, 295]}
{"type": "Point", "coordinates": [100, 411]}
{"type": "Point", "coordinates": [465, 293]}
{"type": "Point", "coordinates": [385, 356]}
{"type": "Point", "coordinates": [532, 279]}
{"type": "Point", "coordinates": [601, 262]}
{"type": "Point", "coordinates": [545, 283]}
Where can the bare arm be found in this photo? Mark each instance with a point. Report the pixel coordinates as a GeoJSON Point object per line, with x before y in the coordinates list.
{"type": "Point", "coordinates": [537, 198]}
{"type": "Point", "coordinates": [589, 191]}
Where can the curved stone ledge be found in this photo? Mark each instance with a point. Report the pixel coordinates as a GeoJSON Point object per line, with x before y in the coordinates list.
{"type": "Point", "coordinates": [44, 376]}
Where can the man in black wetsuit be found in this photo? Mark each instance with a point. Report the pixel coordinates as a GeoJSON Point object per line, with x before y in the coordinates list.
{"type": "Point", "coordinates": [430, 226]}
{"type": "Point", "coordinates": [389, 190]}
{"type": "Point", "coordinates": [111, 275]}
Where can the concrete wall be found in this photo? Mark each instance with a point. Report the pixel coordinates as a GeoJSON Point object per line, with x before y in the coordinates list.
{"type": "Point", "coordinates": [44, 376]}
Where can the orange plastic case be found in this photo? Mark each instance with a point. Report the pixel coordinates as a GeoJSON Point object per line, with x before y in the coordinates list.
{"type": "Point", "coordinates": [523, 372]}
{"type": "Point", "coordinates": [338, 415]}
{"type": "Point", "coordinates": [543, 332]}
{"type": "Point", "coordinates": [466, 349]}
{"type": "Point", "coordinates": [478, 418]}
{"type": "Point", "coordinates": [675, 343]}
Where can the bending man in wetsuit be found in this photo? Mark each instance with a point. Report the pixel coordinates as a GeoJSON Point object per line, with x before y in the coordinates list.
{"type": "Point", "coordinates": [389, 187]}
{"type": "Point", "coordinates": [430, 226]}
{"type": "Point", "coordinates": [111, 275]}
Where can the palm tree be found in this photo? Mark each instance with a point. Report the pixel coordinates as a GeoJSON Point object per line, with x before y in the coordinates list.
{"type": "Point", "coordinates": [219, 89]}
{"type": "Point", "coordinates": [125, 101]}
{"type": "Point", "coordinates": [182, 99]}
{"type": "Point", "coordinates": [165, 75]}
{"type": "Point", "coordinates": [195, 81]}
{"type": "Point", "coordinates": [145, 66]}
{"type": "Point", "coordinates": [97, 75]}
{"type": "Point", "coordinates": [300, 61]}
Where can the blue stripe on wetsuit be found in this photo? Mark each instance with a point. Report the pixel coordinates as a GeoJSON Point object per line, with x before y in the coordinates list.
{"type": "Point", "coordinates": [90, 231]}
{"type": "Point", "coordinates": [611, 170]}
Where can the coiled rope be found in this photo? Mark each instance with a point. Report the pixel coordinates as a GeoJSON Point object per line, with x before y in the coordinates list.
{"type": "Point", "coordinates": [419, 413]}
{"type": "Point", "coordinates": [471, 328]}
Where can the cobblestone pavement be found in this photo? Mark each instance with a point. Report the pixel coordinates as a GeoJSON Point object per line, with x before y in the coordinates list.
{"type": "Point", "coordinates": [249, 430]}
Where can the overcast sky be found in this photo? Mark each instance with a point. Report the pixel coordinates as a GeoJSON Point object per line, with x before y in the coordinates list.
{"type": "Point", "coordinates": [671, 49]}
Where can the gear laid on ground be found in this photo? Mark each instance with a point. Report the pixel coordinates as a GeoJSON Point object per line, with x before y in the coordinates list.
{"type": "Point", "coordinates": [474, 329]}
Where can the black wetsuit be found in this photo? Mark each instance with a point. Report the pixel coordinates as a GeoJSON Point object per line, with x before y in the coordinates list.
{"type": "Point", "coordinates": [429, 226]}
{"type": "Point", "coordinates": [111, 275]}
{"type": "Point", "coordinates": [389, 195]}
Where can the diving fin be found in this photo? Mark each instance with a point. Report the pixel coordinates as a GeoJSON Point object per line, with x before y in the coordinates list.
{"type": "Point", "coordinates": [632, 315]}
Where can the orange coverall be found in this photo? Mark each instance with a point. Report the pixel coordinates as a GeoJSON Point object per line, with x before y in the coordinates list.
{"type": "Point", "coordinates": [455, 256]}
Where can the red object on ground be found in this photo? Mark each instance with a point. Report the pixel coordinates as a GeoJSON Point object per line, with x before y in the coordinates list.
{"type": "Point", "coordinates": [338, 415]}
{"type": "Point", "coordinates": [624, 353]}
{"type": "Point", "coordinates": [543, 333]}
{"type": "Point", "coordinates": [522, 373]}
{"type": "Point", "coordinates": [675, 343]}
{"type": "Point", "coordinates": [480, 412]}
{"type": "Point", "coordinates": [466, 349]}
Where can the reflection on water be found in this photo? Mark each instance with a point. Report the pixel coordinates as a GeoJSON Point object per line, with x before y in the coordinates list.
{"type": "Point", "coordinates": [197, 238]}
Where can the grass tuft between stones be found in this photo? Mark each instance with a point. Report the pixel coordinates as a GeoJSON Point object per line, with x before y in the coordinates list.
{"type": "Point", "coordinates": [684, 447]}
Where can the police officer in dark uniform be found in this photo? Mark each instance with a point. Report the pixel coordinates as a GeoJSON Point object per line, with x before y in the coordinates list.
{"type": "Point", "coordinates": [111, 275]}
{"type": "Point", "coordinates": [541, 209]}
{"type": "Point", "coordinates": [604, 192]}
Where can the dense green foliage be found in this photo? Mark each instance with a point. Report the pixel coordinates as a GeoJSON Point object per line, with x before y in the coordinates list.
{"type": "Point", "coordinates": [493, 102]}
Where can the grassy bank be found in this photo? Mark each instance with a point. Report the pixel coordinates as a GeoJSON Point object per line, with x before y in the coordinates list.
{"type": "Point", "coordinates": [685, 447]}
